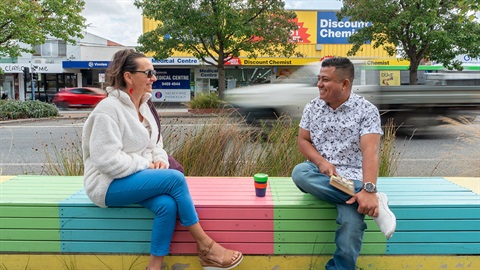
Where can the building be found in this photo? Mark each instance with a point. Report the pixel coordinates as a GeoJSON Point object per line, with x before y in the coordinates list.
{"type": "Point", "coordinates": [55, 65]}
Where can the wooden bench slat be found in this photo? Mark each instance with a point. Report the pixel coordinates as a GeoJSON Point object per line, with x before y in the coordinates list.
{"type": "Point", "coordinates": [30, 246]}
{"type": "Point", "coordinates": [144, 247]}
{"type": "Point", "coordinates": [437, 237]}
{"type": "Point", "coordinates": [29, 234]}
{"type": "Point", "coordinates": [286, 221]}
{"type": "Point", "coordinates": [321, 236]}
{"type": "Point", "coordinates": [433, 248]}
{"type": "Point", "coordinates": [146, 224]}
{"type": "Point", "coordinates": [324, 248]}
{"type": "Point", "coordinates": [29, 211]}
{"type": "Point", "coordinates": [436, 213]}
{"type": "Point", "coordinates": [29, 223]}
{"type": "Point", "coordinates": [441, 225]}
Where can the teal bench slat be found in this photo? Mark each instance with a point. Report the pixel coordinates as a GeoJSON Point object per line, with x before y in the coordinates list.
{"type": "Point", "coordinates": [436, 237]}
{"type": "Point", "coordinates": [433, 248]}
{"type": "Point", "coordinates": [440, 225]}
{"type": "Point", "coordinates": [436, 213]}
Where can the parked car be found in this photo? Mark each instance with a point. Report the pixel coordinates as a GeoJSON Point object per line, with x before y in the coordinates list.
{"type": "Point", "coordinates": [78, 97]}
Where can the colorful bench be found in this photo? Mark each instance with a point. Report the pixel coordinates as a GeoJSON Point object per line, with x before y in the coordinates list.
{"type": "Point", "coordinates": [48, 222]}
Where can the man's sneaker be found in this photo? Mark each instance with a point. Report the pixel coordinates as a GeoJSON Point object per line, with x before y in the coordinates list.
{"type": "Point", "coordinates": [386, 220]}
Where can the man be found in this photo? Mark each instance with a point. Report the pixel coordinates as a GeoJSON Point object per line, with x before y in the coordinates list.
{"type": "Point", "coordinates": [340, 135]}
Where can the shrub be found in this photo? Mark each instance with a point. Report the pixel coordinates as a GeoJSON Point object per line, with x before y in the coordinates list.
{"type": "Point", "coordinates": [206, 101]}
{"type": "Point", "coordinates": [16, 109]}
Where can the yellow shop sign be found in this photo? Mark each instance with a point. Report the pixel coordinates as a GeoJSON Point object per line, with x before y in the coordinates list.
{"type": "Point", "coordinates": [240, 61]}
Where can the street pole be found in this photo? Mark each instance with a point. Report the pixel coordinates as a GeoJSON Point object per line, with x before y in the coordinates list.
{"type": "Point", "coordinates": [32, 83]}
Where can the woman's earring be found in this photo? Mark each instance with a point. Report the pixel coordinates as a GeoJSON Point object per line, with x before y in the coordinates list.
{"type": "Point", "coordinates": [131, 90]}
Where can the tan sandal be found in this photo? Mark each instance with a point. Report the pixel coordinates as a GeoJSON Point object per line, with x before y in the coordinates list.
{"type": "Point", "coordinates": [226, 264]}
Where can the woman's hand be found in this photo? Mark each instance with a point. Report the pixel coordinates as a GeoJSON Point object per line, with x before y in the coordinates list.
{"type": "Point", "coordinates": [157, 165]}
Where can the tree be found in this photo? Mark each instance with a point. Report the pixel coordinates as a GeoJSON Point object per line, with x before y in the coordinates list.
{"type": "Point", "coordinates": [215, 31]}
{"type": "Point", "coordinates": [417, 29]}
{"type": "Point", "coordinates": [31, 21]}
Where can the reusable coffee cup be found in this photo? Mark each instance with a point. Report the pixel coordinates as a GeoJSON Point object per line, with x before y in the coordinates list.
{"type": "Point", "coordinates": [261, 180]}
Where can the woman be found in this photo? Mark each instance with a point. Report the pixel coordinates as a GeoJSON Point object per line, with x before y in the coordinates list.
{"type": "Point", "coordinates": [124, 163]}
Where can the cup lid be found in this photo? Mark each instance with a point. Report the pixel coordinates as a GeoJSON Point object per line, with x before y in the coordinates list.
{"type": "Point", "coordinates": [260, 177]}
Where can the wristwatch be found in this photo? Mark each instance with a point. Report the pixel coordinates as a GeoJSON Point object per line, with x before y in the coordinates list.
{"type": "Point", "coordinates": [370, 187]}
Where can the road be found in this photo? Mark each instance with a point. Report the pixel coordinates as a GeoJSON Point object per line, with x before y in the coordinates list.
{"type": "Point", "coordinates": [448, 151]}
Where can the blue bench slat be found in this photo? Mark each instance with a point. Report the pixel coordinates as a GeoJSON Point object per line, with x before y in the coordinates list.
{"type": "Point", "coordinates": [433, 248]}
{"type": "Point", "coordinates": [436, 237]}
{"type": "Point", "coordinates": [438, 225]}
{"type": "Point", "coordinates": [436, 213]}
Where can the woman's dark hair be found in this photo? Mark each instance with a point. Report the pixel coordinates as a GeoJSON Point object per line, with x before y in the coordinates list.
{"type": "Point", "coordinates": [122, 61]}
{"type": "Point", "coordinates": [342, 64]}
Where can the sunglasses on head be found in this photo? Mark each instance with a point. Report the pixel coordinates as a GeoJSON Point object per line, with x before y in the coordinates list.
{"type": "Point", "coordinates": [148, 72]}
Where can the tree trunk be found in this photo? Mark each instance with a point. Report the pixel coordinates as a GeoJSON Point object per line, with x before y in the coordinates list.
{"type": "Point", "coordinates": [221, 79]}
{"type": "Point", "coordinates": [413, 76]}
{"type": "Point", "coordinates": [414, 71]}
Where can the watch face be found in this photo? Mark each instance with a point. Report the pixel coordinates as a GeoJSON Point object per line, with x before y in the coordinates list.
{"type": "Point", "coordinates": [369, 187]}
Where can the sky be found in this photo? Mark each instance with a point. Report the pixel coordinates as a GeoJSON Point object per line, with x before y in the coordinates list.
{"type": "Point", "coordinates": [120, 21]}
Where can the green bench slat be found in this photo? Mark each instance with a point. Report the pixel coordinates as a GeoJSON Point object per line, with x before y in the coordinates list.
{"type": "Point", "coordinates": [315, 237]}
{"type": "Point", "coordinates": [29, 211]}
{"type": "Point", "coordinates": [29, 223]}
{"type": "Point", "coordinates": [315, 225]}
{"type": "Point", "coordinates": [305, 213]}
{"type": "Point", "coordinates": [29, 234]}
{"type": "Point", "coordinates": [325, 248]}
{"type": "Point", "coordinates": [30, 246]}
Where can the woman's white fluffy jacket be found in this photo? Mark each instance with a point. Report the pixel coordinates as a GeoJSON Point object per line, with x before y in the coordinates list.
{"type": "Point", "coordinates": [116, 144]}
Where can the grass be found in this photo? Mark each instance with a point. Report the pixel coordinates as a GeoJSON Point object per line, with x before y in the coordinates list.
{"type": "Point", "coordinates": [389, 155]}
{"type": "Point", "coordinates": [67, 160]}
{"type": "Point", "coordinates": [224, 146]}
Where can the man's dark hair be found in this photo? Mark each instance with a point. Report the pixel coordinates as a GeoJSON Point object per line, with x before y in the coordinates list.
{"type": "Point", "coordinates": [342, 64]}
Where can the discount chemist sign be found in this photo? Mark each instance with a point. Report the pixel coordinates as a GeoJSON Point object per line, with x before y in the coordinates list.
{"type": "Point", "coordinates": [332, 31]}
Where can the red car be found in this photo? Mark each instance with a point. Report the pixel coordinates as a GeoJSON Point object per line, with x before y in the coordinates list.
{"type": "Point", "coordinates": [78, 97]}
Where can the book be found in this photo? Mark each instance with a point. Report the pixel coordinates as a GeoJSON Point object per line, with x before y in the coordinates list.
{"type": "Point", "coordinates": [343, 184]}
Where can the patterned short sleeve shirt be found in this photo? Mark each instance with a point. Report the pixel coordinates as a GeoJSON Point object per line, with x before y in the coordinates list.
{"type": "Point", "coordinates": [336, 133]}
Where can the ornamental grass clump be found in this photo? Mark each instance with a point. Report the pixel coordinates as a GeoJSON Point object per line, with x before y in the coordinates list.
{"type": "Point", "coordinates": [66, 160]}
{"type": "Point", "coordinates": [389, 155]}
{"type": "Point", "coordinates": [227, 146]}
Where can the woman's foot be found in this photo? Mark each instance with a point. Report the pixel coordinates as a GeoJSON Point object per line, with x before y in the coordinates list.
{"type": "Point", "coordinates": [215, 256]}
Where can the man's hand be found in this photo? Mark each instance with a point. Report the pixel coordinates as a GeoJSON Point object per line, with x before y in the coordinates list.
{"type": "Point", "coordinates": [327, 168]}
{"type": "Point", "coordinates": [367, 203]}
{"type": "Point", "coordinates": [157, 165]}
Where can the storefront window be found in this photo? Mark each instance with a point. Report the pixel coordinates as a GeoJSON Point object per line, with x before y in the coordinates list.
{"type": "Point", "coordinates": [245, 76]}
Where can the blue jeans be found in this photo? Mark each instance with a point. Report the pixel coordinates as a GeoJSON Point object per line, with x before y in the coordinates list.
{"type": "Point", "coordinates": [164, 192]}
{"type": "Point", "coordinates": [349, 234]}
